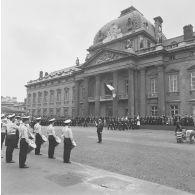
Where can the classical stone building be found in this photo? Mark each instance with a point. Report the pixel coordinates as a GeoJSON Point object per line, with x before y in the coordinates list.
{"type": "Point", "coordinates": [52, 94]}
{"type": "Point", "coordinates": [150, 74]}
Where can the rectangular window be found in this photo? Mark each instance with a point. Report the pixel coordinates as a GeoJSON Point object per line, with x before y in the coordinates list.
{"type": "Point", "coordinates": [153, 86]}
{"type": "Point", "coordinates": [51, 111]}
{"type": "Point", "coordinates": [192, 80]}
{"type": "Point", "coordinates": [45, 96]}
{"type": "Point", "coordinates": [29, 98]}
{"type": "Point", "coordinates": [173, 86]}
{"type": "Point", "coordinates": [174, 109]}
{"type": "Point", "coordinates": [73, 93]}
{"type": "Point", "coordinates": [44, 111]}
{"type": "Point", "coordinates": [126, 86]}
{"type": "Point", "coordinates": [66, 112]}
{"type": "Point", "coordinates": [34, 98]}
{"type": "Point", "coordinates": [154, 111]}
{"type": "Point", "coordinates": [39, 97]}
{"type": "Point", "coordinates": [39, 112]}
{"type": "Point", "coordinates": [66, 94]}
{"type": "Point", "coordinates": [51, 96]}
{"type": "Point", "coordinates": [59, 95]}
{"type": "Point", "coordinates": [58, 111]}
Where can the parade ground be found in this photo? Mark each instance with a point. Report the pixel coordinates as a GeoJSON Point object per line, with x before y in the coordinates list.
{"type": "Point", "coordinates": [126, 162]}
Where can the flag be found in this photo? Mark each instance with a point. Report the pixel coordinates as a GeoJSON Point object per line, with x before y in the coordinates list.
{"type": "Point", "coordinates": [110, 87]}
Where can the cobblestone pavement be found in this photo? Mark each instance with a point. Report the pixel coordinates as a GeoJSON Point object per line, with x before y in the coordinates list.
{"type": "Point", "coordinates": [145, 154]}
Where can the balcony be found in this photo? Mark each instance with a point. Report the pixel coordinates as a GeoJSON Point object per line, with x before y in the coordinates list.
{"type": "Point", "coordinates": [106, 98]}
{"type": "Point", "coordinates": [152, 95]}
{"type": "Point", "coordinates": [91, 99]}
{"type": "Point", "coordinates": [122, 96]}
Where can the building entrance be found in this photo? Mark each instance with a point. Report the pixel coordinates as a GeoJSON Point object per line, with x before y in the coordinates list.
{"type": "Point", "coordinates": [193, 112]}
{"type": "Point", "coordinates": [109, 112]}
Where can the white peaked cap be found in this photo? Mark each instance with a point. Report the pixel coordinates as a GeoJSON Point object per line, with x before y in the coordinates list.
{"type": "Point", "coordinates": [67, 121]}
{"type": "Point", "coordinates": [52, 120]}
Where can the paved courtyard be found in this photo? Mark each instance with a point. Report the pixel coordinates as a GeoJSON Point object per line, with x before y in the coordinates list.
{"type": "Point", "coordinates": [150, 155]}
{"type": "Point", "coordinates": [145, 154]}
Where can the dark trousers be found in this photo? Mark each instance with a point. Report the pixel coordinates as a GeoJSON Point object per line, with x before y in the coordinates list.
{"type": "Point", "coordinates": [67, 149]}
{"type": "Point", "coordinates": [2, 138]}
{"type": "Point", "coordinates": [23, 152]}
{"type": "Point", "coordinates": [99, 133]}
{"type": "Point", "coordinates": [38, 142]}
{"type": "Point", "coordinates": [11, 141]}
{"type": "Point", "coordinates": [17, 138]}
{"type": "Point", "coordinates": [52, 145]}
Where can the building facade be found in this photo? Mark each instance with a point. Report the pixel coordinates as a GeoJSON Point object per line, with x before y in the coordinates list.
{"type": "Point", "coordinates": [150, 74]}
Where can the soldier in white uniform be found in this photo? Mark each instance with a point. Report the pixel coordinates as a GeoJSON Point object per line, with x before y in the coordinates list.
{"type": "Point", "coordinates": [11, 138]}
{"type": "Point", "coordinates": [24, 142]}
{"type": "Point", "coordinates": [68, 141]}
{"type": "Point", "coordinates": [38, 138]}
{"type": "Point", "coordinates": [3, 129]}
{"type": "Point", "coordinates": [51, 138]}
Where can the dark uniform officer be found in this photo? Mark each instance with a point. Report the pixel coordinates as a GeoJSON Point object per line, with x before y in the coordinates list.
{"type": "Point", "coordinates": [24, 141]}
{"type": "Point", "coordinates": [11, 138]}
{"type": "Point", "coordinates": [38, 138]}
{"type": "Point", "coordinates": [51, 138]}
{"type": "Point", "coordinates": [69, 142]}
{"type": "Point", "coordinates": [99, 126]}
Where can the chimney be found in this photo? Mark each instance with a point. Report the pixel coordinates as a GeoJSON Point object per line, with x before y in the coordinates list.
{"type": "Point", "coordinates": [40, 74]}
{"type": "Point", "coordinates": [188, 32]}
{"type": "Point", "coordinates": [46, 74]}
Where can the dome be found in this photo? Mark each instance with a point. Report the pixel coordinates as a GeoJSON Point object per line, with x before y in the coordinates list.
{"type": "Point", "coordinates": [129, 21]}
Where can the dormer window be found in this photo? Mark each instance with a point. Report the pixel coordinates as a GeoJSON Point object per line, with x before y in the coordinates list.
{"type": "Point", "coordinates": [141, 43]}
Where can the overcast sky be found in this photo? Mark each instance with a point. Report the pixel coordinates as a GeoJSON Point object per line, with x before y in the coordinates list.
{"type": "Point", "coordinates": [48, 35]}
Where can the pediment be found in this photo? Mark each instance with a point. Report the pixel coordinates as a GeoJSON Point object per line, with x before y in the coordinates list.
{"type": "Point", "coordinates": [106, 56]}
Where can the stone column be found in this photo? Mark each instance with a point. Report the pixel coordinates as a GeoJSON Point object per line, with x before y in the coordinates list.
{"type": "Point", "coordinates": [77, 98]}
{"type": "Point", "coordinates": [86, 105]}
{"type": "Point", "coordinates": [143, 92]}
{"type": "Point", "coordinates": [97, 95]}
{"type": "Point", "coordinates": [115, 100]}
{"type": "Point", "coordinates": [136, 93]}
{"type": "Point", "coordinates": [131, 100]}
{"type": "Point", "coordinates": [161, 91]}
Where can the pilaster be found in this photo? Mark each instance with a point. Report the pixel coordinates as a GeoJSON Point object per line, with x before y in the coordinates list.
{"type": "Point", "coordinates": [97, 95]}
{"type": "Point", "coordinates": [131, 99]}
{"type": "Point", "coordinates": [115, 99]}
{"type": "Point", "coordinates": [161, 90]}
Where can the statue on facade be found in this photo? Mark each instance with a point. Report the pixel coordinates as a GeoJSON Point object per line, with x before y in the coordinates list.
{"type": "Point", "coordinates": [129, 45]}
{"type": "Point", "coordinates": [77, 62]}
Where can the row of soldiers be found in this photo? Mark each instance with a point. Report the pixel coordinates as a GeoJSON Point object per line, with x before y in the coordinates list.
{"type": "Point", "coordinates": [16, 129]}
{"type": "Point", "coordinates": [123, 122]}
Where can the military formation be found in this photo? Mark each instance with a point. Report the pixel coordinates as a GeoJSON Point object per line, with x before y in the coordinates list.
{"type": "Point", "coordinates": [25, 132]}
{"type": "Point", "coordinates": [19, 132]}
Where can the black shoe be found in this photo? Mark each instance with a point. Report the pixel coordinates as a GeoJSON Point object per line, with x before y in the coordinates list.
{"type": "Point", "coordinates": [39, 154]}
{"type": "Point", "coordinates": [10, 161]}
{"type": "Point", "coordinates": [2, 157]}
{"type": "Point", "coordinates": [68, 162]}
{"type": "Point", "coordinates": [98, 142]}
{"type": "Point", "coordinates": [24, 167]}
{"type": "Point", "coordinates": [52, 157]}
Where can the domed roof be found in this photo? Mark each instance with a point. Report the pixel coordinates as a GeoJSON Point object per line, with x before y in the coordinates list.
{"type": "Point", "coordinates": [129, 21]}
